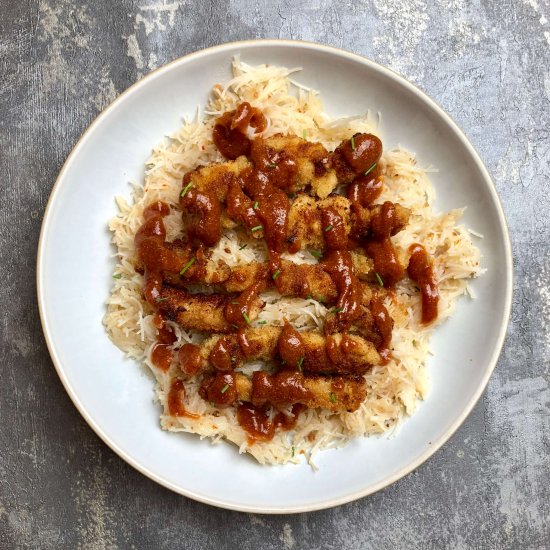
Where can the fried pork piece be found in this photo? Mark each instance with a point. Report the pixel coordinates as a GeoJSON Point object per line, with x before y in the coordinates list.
{"type": "Point", "coordinates": [173, 257]}
{"type": "Point", "coordinates": [204, 312]}
{"type": "Point", "coordinates": [294, 163]}
{"type": "Point", "coordinates": [340, 354]}
{"type": "Point", "coordinates": [380, 220]}
{"type": "Point", "coordinates": [304, 220]}
{"type": "Point", "coordinates": [215, 178]}
{"type": "Point", "coordinates": [333, 393]}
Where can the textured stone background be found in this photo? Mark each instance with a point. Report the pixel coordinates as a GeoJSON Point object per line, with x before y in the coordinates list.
{"type": "Point", "coordinates": [63, 61]}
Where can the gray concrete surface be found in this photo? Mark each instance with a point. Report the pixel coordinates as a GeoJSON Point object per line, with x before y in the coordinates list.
{"type": "Point", "coordinates": [485, 62]}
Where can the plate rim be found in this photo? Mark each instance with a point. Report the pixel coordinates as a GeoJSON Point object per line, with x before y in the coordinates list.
{"type": "Point", "coordinates": [436, 445]}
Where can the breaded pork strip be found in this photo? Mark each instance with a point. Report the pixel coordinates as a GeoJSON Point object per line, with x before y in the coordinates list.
{"type": "Point", "coordinates": [333, 393]}
{"type": "Point", "coordinates": [295, 163]}
{"type": "Point", "coordinates": [305, 228]}
{"type": "Point", "coordinates": [345, 354]}
{"type": "Point", "coordinates": [204, 312]}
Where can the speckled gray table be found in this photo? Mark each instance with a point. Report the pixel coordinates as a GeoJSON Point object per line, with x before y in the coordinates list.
{"type": "Point", "coordinates": [486, 63]}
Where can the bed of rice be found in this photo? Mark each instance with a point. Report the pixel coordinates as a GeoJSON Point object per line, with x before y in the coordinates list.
{"type": "Point", "coordinates": [394, 390]}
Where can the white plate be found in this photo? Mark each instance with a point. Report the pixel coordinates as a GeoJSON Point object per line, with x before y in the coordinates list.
{"type": "Point", "coordinates": [116, 397]}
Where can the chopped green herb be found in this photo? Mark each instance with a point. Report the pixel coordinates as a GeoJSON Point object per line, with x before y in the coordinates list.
{"type": "Point", "coordinates": [185, 189]}
{"type": "Point", "coordinates": [276, 274]}
{"type": "Point", "coordinates": [353, 143]}
{"type": "Point", "coordinates": [161, 299]}
{"type": "Point", "coordinates": [255, 206]}
{"type": "Point", "coordinates": [328, 228]}
{"type": "Point", "coordinates": [234, 325]}
{"type": "Point", "coordinates": [262, 322]}
{"type": "Point", "coordinates": [371, 168]}
{"type": "Point", "coordinates": [304, 134]}
{"type": "Point", "coordinates": [188, 265]}
{"type": "Point", "coordinates": [321, 299]}
{"type": "Point", "coordinates": [246, 317]}
{"type": "Point", "coordinates": [243, 247]}
{"type": "Point", "coordinates": [299, 363]}
{"type": "Point", "coordinates": [309, 297]}
{"type": "Point", "coordinates": [316, 253]}
{"type": "Point", "coordinates": [117, 276]}
{"type": "Point", "coordinates": [293, 450]}
{"type": "Point", "coordinates": [272, 165]}
{"type": "Point", "coordinates": [234, 301]}
{"type": "Point", "coordinates": [379, 279]}
{"type": "Point", "coordinates": [257, 228]}
{"type": "Point", "coordinates": [225, 388]}
{"type": "Point", "coordinates": [337, 309]}
{"type": "Point", "coordinates": [332, 398]}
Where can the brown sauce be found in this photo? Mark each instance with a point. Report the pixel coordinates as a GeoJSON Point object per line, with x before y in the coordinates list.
{"type": "Point", "coordinates": [421, 271]}
{"type": "Point", "coordinates": [161, 356]}
{"type": "Point", "coordinates": [273, 207]}
{"type": "Point", "coordinates": [282, 387]}
{"type": "Point", "coordinates": [165, 334]}
{"type": "Point", "coordinates": [238, 310]}
{"type": "Point", "coordinates": [176, 396]}
{"type": "Point", "coordinates": [365, 189]}
{"type": "Point", "coordinates": [225, 354]}
{"type": "Point", "coordinates": [203, 212]}
{"type": "Point", "coordinates": [220, 389]}
{"type": "Point", "coordinates": [362, 152]}
{"type": "Point", "coordinates": [189, 359]}
{"type": "Point", "coordinates": [339, 265]}
{"type": "Point", "coordinates": [258, 424]}
{"type": "Point", "coordinates": [149, 241]}
{"type": "Point", "coordinates": [240, 207]}
{"type": "Point", "coordinates": [383, 224]}
{"type": "Point", "coordinates": [291, 347]}
{"type": "Point", "coordinates": [334, 230]}
{"type": "Point", "coordinates": [383, 324]}
{"type": "Point", "coordinates": [386, 263]}
{"type": "Point", "coordinates": [229, 132]}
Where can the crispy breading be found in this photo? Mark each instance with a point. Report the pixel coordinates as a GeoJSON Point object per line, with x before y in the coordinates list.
{"type": "Point", "coordinates": [204, 312]}
{"type": "Point", "coordinates": [333, 393]}
{"type": "Point", "coordinates": [215, 178]}
{"type": "Point", "coordinates": [301, 163]}
{"type": "Point", "coordinates": [343, 354]}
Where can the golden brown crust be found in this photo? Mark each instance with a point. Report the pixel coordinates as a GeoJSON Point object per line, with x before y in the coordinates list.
{"type": "Point", "coordinates": [334, 393]}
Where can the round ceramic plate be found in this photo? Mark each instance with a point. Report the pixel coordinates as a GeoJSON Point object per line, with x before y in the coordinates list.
{"type": "Point", "coordinates": [75, 267]}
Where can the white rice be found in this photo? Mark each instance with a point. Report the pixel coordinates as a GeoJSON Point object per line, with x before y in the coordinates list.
{"type": "Point", "coordinates": [394, 390]}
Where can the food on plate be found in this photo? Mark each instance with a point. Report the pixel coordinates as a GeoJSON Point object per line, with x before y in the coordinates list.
{"type": "Point", "coordinates": [280, 273]}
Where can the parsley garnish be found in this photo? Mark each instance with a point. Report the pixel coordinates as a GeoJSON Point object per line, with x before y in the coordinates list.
{"type": "Point", "coordinates": [316, 253]}
{"type": "Point", "coordinates": [225, 388]}
{"type": "Point", "coordinates": [255, 206]}
{"type": "Point", "coordinates": [243, 247]}
{"type": "Point", "coordinates": [379, 279]}
{"type": "Point", "coordinates": [332, 398]}
{"type": "Point", "coordinates": [353, 143]}
{"type": "Point", "coordinates": [262, 322]}
{"type": "Point", "coordinates": [246, 318]}
{"type": "Point", "coordinates": [276, 274]}
{"type": "Point", "coordinates": [371, 168]}
{"type": "Point", "coordinates": [257, 228]}
{"type": "Point", "coordinates": [293, 450]}
{"type": "Point", "coordinates": [161, 299]}
{"type": "Point", "coordinates": [304, 133]}
{"type": "Point", "coordinates": [188, 265]}
{"type": "Point", "coordinates": [117, 276]}
{"type": "Point", "coordinates": [328, 228]}
{"type": "Point", "coordinates": [299, 363]}
{"type": "Point", "coordinates": [185, 189]}
{"type": "Point", "coordinates": [272, 165]}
